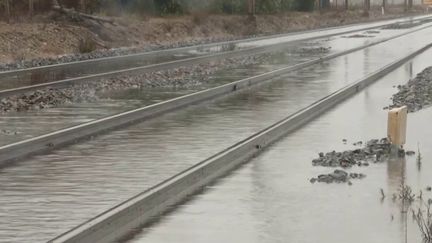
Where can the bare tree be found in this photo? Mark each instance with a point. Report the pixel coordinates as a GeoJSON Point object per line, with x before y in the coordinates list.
{"type": "Point", "coordinates": [31, 7]}
{"type": "Point", "coordinates": [7, 9]}
{"type": "Point", "coordinates": [366, 7]}
{"type": "Point", "coordinates": [251, 7]}
{"type": "Point", "coordinates": [83, 5]}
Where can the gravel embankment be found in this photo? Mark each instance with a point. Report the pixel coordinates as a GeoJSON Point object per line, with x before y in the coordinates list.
{"type": "Point", "coordinates": [38, 62]}
{"type": "Point", "coordinates": [182, 77]}
{"type": "Point", "coordinates": [416, 94]}
{"type": "Point", "coordinates": [373, 152]}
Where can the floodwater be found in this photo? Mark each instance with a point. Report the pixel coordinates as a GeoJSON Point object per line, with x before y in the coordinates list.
{"type": "Point", "coordinates": [44, 196]}
{"type": "Point", "coordinates": [270, 199]}
{"type": "Point", "coordinates": [15, 126]}
{"type": "Point", "coordinates": [37, 76]}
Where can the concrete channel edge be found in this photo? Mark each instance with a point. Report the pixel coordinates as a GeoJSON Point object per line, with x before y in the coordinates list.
{"type": "Point", "coordinates": [141, 209]}
{"type": "Point", "coordinates": [45, 143]}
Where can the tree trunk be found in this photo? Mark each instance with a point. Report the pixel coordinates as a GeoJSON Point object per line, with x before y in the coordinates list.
{"type": "Point", "coordinates": [83, 6]}
{"type": "Point", "coordinates": [346, 5]}
{"type": "Point", "coordinates": [31, 7]}
{"type": "Point", "coordinates": [251, 7]}
{"type": "Point", "coordinates": [366, 7]}
{"type": "Point", "coordinates": [7, 10]}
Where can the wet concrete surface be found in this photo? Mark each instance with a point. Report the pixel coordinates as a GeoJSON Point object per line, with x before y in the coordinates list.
{"type": "Point", "coordinates": [47, 195]}
{"type": "Point", "coordinates": [16, 124]}
{"type": "Point", "coordinates": [270, 199]}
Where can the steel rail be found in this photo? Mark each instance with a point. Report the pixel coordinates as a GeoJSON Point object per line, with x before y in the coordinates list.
{"type": "Point", "coordinates": [161, 66]}
{"type": "Point", "coordinates": [118, 221]}
{"type": "Point", "coordinates": [156, 53]}
{"type": "Point", "coordinates": [44, 143]}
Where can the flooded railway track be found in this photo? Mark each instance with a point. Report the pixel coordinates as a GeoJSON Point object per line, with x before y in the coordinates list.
{"type": "Point", "coordinates": [16, 82]}
{"type": "Point", "coordinates": [44, 143]}
{"type": "Point", "coordinates": [73, 188]}
{"type": "Point", "coordinates": [117, 222]}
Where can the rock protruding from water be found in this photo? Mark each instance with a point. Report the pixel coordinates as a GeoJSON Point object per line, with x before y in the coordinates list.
{"type": "Point", "coordinates": [337, 176]}
{"type": "Point", "coordinates": [416, 94]}
{"type": "Point", "coordinates": [374, 151]}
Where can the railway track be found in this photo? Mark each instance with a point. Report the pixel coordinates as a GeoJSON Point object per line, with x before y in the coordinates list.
{"type": "Point", "coordinates": [273, 188]}
{"type": "Point", "coordinates": [117, 222]}
{"type": "Point", "coordinates": [93, 229]}
{"type": "Point", "coordinates": [47, 142]}
{"type": "Point", "coordinates": [63, 75]}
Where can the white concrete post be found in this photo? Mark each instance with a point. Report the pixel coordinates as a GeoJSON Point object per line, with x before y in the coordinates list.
{"type": "Point", "coordinates": [396, 126]}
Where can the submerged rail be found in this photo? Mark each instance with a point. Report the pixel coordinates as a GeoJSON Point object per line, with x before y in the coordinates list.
{"type": "Point", "coordinates": [50, 141]}
{"type": "Point", "coordinates": [112, 62]}
{"type": "Point", "coordinates": [141, 209]}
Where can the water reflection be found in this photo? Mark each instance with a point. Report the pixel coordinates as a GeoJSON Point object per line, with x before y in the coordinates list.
{"type": "Point", "coordinates": [396, 168]}
{"type": "Point", "coordinates": [271, 200]}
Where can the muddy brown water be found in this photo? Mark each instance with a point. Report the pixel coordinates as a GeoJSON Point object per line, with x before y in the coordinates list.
{"type": "Point", "coordinates": [44, 196]}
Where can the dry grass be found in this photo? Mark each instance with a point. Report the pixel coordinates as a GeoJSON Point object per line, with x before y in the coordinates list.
{"type": "Point", "coordinates": [86, 45]}
{"type": "Point", "coordinates": [424, 221]}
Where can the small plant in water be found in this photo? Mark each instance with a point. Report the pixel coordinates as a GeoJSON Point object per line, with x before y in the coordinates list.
{"type": "Point", "coordinates": [382, 193]}
{"type": "Point", "coordinates": [419, 157]}
{"type": "Point", "coordinates": [424, 221]}
{"type": "Point", "coordinates": [406, 194]}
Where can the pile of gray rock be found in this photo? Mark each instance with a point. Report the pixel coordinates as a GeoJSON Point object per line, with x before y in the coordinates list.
{"type": "Point", "coordinates": [358, 36]}
{"type": "Point", "coordinates": [41, 99]}
{"type": "Point", "coordinates": [38, 62]}
{"type": "Point", "coordinates": [314, 50]}
{"type": "Point", "coordinates": [338, 176]}
{"type": "Point", "coordinates": [182, 77]}
{"type": "Point", "coordinates": [398, 26]}
{"type": "Point", "coordinates": [416, 94]}
{"type": "Point", "coordinates": [375, 150]}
